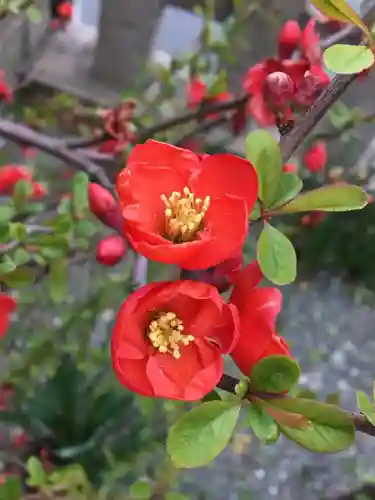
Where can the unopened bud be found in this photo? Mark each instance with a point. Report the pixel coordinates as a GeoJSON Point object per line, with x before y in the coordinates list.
{"type": "Point", "coordinates": [316, 157]}
{"type": "Point", "coordinates": [111, 250]}
{"type": "Point", "coordinates": [288, 39]}
{"type": "Point", "coordinates": [104, 206]}
{"type": "Point", "coordinates": [278, 89]}
{"type": "Point", "coordinates": [290, 168]}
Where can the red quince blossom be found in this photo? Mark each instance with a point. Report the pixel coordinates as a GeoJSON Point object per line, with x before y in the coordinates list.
{"type": "Point", "coordinates": [316, 156]}
{"type": "Point", "coordinates": [65, 11]}
{"type": "Point", "coordinates": [104, 206]}
{"type": "Point", "coordinates": [313, 219]}
{"type": "Point", "coordinates": [313, 83]}
{"type": "Point", "coordinates": [6, 93]}
{"type": "Point", "coordinates": [258, 309]}
{"type": "Point", "coordinates": [288, 39]}
{"type": "Point", "coordinates": [254, 84]}
{"type": "Point", "coordinates": [197, 93]}
{"type": "Point", "coordinates": [111, 250]}
{"type": "Point", "coordinates": [310, 44]}
{"type": "Point", "coordinates": [10, 175]}
{"type": "Point", "coordinates": [39, 191]}
{"type": "Point", "coordinates": [7, 306]}
{"type": "Point", "coordinates": [169, 338]}
{"type": "Point", "coordinates": [179, 209]}
{"type": "Point", "coordinates": [118, 125]}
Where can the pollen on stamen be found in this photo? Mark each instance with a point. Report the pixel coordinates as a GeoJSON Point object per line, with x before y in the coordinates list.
{"type": "Point", "coordinates": [165, 334]}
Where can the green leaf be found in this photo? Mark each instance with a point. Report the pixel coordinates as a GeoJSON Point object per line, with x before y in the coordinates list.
{"type": "Point", "coordinates": [263, 151]}
{"type": "Point", "coordinates": [37, 475]}
{"type": "Point", "coordinates": [330, 429]}
{"type": "Point", "coordinates": [7, 265]}
{"type": "Point", "coordinates": [141, 490]}
{"type": "Point", "coordinates": [21, 257]}
{"type": "Point", "coordinates": [219, 86]}
{"type": "Point", "coordinates": [11, 489]}
{"type": "Point", "coordinates": [58, 280]}
{"type": "Point", "coordinates": [18, 231]}
{"type": "Point", "coordinates": [341, 11]}
{"type": "Point", "coordinates": [4, 232]}
{"type": "Point", "coordinates": [328, 199]}
{"type": "Point", "coordinates": [289, 186]}
{"type": "Point", "coordinates": [34, 14]}
{"type": "Point", "coordinates": [348, 59]}
{"type": "Point", "coordinates": [275, 374]}
{"type": "Point", "coordinates": [85, 229]}
{"type": "Point", "coordinates": [80, 197]}
{"type": "Point", "coordinates": [19, 278]}
{"type": "Point", "coordinates": [366, 407]}
{"type": "Point", "coordinates": [263, 425]}
{"type": "Point", "coordinates": [21, 193]}
{"type": "Point", "coordinates": [256, 213]}
{"type": "Point", "coordinates": [63, 224]}
{"type": "Point", "coordinates": [202, 433]}
{"type": "Point", "coordinates": [7, 212]}
{"type": "Point", "coordinates": [174, 495]}
{"type": "Point", "coordinates": [276, 255]}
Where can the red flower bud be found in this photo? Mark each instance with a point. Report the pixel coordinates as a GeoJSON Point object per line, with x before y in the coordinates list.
{"type": "Point", "coordinates": [10, 175]}
{"type": "Point", "coordinates": [111, 250]}
{"type": "Point", "coordinates": [104, 206]}
{"type": "Point", "coordinates": [313, 219]}
{"type": "Point", "coordinates": [288, 39]}
{"type": "Point", "coordinates": [290, 168]}
{"type": "Point", "coordinates": [39, 191]}
{"type": "Point", "coordinates": [316, 157]}
{"type": "Point", "coordinates": [278, 89]}
{"type": "Point", "coordinates": [65, 11]}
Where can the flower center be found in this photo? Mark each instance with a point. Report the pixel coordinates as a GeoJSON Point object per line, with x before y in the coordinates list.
{"type": "Point", "coordinates": [184, 215]}
{"type": "Point", "coordinates": [165, 333]}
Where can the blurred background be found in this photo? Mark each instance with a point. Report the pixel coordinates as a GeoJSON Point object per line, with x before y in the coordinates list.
{"type": "Point", "coordinates": [65, 407]}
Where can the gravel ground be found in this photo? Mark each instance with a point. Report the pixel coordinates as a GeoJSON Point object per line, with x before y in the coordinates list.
{"type": "Point", "coordinates": [331, 331]}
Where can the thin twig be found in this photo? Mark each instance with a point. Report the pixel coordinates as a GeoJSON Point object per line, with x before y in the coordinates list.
{"type": "Point", "coordinates": [19, 133]}
{"type": "Point", "coordinates": [228, 384]}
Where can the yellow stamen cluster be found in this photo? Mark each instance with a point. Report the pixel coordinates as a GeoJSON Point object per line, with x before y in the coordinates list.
{"type": "Point", "coordinates": [184, 215]}
{"type": "Point", "coordinates": [165, 333]}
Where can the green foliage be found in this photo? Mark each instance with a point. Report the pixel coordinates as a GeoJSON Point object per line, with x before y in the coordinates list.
{"type": "Point", "coordinates": [275, 374]}
{"type": "Point", "coordinates": [58, 279]}
{"type": "Point", "coordinates": [366, 407]}
{"type": "Point", "coordinates": [141, 490]}
{"type": "Point", "coordinates": [80, 196]}
{"type": "Point", "coordinates": [329, 429]}
{"type": "Point", "coordinates": [288, 188]}
{"type": "Point", "coordinates": [202, 433]}
{"type": "Point", "coordinates": [276, 256]}
{"type": "Point", "coordinates": [262, 424]}
{"type": "Point", "coordinates": [22, 192]}
{"type": "Point", "coordinates": [263, 151]}
{"type": "Point", "coordinates": [348, 59]}
{"type": "Point", "coordinates": [334, 198]}
{"type": "Point", "coordinates": [11, 489]}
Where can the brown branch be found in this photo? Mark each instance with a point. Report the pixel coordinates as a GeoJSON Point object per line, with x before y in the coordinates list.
{"type": "Point", "coordinates": [228, 384]}
{"type": "Point", "coordinates": [19, 133]}
{"type": "Point", "coordinates": [202, 112]}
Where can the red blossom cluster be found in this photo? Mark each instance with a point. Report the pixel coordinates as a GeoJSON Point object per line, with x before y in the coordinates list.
{"type": "Point", "coordinates": [11, 174]}
{"type": "Point", "coordinates": [7, 306]}
{"type": "Point", "coordinates": [192, 211]}
{"type": "Point", "coordinates": [117, 123]}
{"type": "Point", "coordinates": [6, 93]}
{"type": "Point", "coordinates": [282, 85]}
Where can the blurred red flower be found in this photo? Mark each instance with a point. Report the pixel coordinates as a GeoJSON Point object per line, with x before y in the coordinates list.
{"type": "Point", "coordinates": [310, 44]}
{"type": "Point", "coordinates": [5, 91]}
{"type": "Point", "coordinates": [117, 123]}
{"type": "Point", "coordinates": [111, 250]}
{"type": "Point", "coordinates": [290, 168]}
{"type": "Point", "coordinates": [181, 210]}
{"type": "Point", "coordinates": [169, 339]}
{"type": "Point", "coordinates": [288, 39]}
{"type": "Point", "coordinates": [316, 156]}
{"type": "Point", "coordinates": [258, 309]}
{"type": "Point", "coordinates": [197, 93]}
{"type": "Point", "coordinates": [10, 175]}
{"type": "Point", "coordinates": [65, 11]}
{"type": "Point", "coordinates": [7, 305]}
{"type": "Point", "coordinates": [313, 219]}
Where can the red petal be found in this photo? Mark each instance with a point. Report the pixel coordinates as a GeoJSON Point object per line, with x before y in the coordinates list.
{"type": "Point", "coordinates": [132, 375]}
{"type": "Point", "coordinates": [259, 111]}
{"type": "Point", "coordinates": [7, 303]}
{"type": "Point", "coordinates": [277, 346]}
{"type": "Point", "coordinates": [310, 43]}
{"type": "Point", "coordinates": [227, 334]}
{"type": "Point", "coordinates": [196, 91]}
{"type": "Point", "coordinates": [254, 78]}
{"type": "Point", "coordinates": [226, 174]}
{"type": "Point", "coordinates": [250, 277]}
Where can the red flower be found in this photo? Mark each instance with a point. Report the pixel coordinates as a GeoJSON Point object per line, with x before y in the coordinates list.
{"type": "Point", "coordinates": [7, 306]}
{"type": "Point", "coordinates": [10, 175]}
{"type": "Point", "coordinates": [118, 124]}
{"type": "Point", "coordinates": [254, 84]}
{"type": "Point", "coordinates": [169, 339]}
{"type": "Point", "coordinates": [310, 44]}
{"type": "Point", "coordinates": [180, 210]}
{"type": "Point", "coordinates": [313, 219]}
{"type": "Point", "coordinates": [312, 85]}
{"type": "Point", "coordinates": [316, 157]}
{"type": "Point", "coordinates": [5, 91]}
{"type": "Point", "coordinates": [290, 167]}
{"type": "Point", "coordinates": [197, 94]}
{"type": "Point", "coordinates": [278, 89]}
{"type": "Point", "coordinates": [39, 191]}
{"type": "Point", "coordinates": [288, 39]}
{"type": "Point", "coordinates": [65, 11]}
{"type": "Point", "coordinates": [258, 309]}
{"type": "Point", "coordinates": [104, 206]}
{"type": "Point", "coordinates": [111, 250]}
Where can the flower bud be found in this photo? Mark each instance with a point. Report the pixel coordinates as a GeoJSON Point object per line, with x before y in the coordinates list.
{"type": "Point", "coordinates": [104, 206]}
{"type": "Point", "coordinates": [10, 175]}
{"type": "Point", "coordinates": [311, 86]}
{"type": "Point", "coordinates": [111, 250]}
{"type": "Point", "coordinates": [39, 191]}
{"type": "Point", "coordinates": [288, 39]}
{"type": "Point", "coordinates": [65, 11]}
{"type": "Point", "coordinates": [290, 168]}
{"type": "Point", "coordinates": [316, 157]}
{"type": "Point", "coordinates": [313, 219]}
{"type": "Point", "coordinates": [278, 89]}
